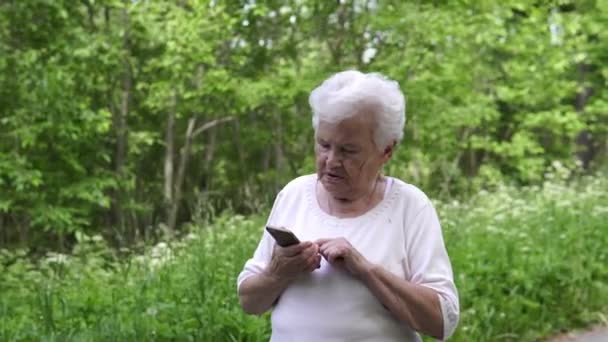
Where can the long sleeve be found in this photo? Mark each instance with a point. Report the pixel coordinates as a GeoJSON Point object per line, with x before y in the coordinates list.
{"type": "Point", "coordinates": [263, 252]}
{"type": "Point", "coordinates": [427, 263]}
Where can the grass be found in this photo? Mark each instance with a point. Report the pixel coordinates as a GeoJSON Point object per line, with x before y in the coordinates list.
{"type": "Point", "coordinates": [528, 263]}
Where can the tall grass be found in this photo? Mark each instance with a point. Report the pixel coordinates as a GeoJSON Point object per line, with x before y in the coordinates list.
{"type": "Point", "coordinates": [528, 262]}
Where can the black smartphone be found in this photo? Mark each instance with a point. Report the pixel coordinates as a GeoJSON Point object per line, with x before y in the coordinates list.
{"type": "Point", "coordinates": [283, 236]}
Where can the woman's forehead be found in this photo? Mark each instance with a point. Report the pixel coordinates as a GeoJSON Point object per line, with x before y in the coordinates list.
{"type": "Point", "coordinates": [345, 132]}
{"type": "Point", "coordinates": [358, 121]}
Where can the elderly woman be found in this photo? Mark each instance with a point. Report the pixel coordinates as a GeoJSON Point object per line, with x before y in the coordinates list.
{"type": "Point", "coordinates": [372, 265]}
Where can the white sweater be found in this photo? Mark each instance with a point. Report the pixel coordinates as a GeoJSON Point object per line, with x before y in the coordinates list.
{"type": "Point", "coordinates": [401, 233]}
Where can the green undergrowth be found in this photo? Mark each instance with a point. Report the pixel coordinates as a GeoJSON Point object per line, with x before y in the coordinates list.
{"type": "Point", "coordinates": [528, 262]}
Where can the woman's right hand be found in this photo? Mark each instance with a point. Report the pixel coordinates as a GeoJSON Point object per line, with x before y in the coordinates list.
{"type": "Point", "coordinates": [289, 262]}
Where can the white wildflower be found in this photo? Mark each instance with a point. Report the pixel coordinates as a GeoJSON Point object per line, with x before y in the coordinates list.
{"type": "Point", "coordinates": [159, 255]}
{"type": "Point", "coordinates": [56, 258]}
{"type": "Point", "coordinates": [151, 311]}
{"type": "Point", "coordinates": [599, 211]}
{"type": "Point", "coordinates": [368, 55]}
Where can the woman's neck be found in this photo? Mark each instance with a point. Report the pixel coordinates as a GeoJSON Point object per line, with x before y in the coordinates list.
{"type": "Point", "coordinates": [345, 208]}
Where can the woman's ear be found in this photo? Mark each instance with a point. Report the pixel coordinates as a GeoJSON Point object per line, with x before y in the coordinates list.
{"type": "Point", "coordinates": [388, 151]}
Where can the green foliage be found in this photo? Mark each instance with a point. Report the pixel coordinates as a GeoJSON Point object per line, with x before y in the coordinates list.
{"type": "Point", "coordinates": [184, 291]}
{"type": "Point", "coordinates": [528, 262]}
{"type": "Point", "coordinates": [524, 262]}
{"type": "Point", "coordinates": [496, 92]}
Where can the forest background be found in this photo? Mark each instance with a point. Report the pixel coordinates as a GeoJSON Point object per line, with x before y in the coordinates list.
{"type": "Point", "coordinates": [128, 124]}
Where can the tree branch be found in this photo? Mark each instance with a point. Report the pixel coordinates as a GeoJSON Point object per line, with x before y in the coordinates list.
{"type": "Point", "coordinates": [211, 124]}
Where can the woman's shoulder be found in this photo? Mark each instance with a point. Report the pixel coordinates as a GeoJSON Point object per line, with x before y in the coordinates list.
{"type": "Point", "coordinates": [297, 189]}
{"type": "Point", "coordinates": [409, 194]}
{"type": "Point", "coordinates": [299, 184]}
{"type": "Point", "coordinates": [295, 194]}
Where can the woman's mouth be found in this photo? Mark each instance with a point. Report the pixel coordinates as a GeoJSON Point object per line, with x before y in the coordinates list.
{"type": "Point", "coordinates": [332, 177]}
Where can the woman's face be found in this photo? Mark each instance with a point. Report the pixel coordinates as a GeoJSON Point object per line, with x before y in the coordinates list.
{"type": "Point", "coordinates": [348, 160]}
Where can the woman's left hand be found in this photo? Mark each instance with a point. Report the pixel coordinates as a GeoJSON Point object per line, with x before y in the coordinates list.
{"type": "Point", "coordinates": [340, 253]}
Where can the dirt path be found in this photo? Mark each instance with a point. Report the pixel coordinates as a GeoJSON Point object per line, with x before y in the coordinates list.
{"type": "Point", "coordinates": [599, 334]}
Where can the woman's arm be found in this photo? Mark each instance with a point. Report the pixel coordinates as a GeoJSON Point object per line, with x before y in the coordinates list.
{"type": "Point", "coordinates": [258, 293]}
{"type": "Point", "coordinates": [416, 305]}
{"type": "Point", "coordinates": [426, 298]}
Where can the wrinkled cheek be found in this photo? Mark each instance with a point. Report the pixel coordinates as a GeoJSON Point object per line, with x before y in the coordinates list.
{"type": "Point", "coordinates": [320, 163]}
{"type": "Point", "coordinates": [360, 164]}
{"type": "Point", "coordinates": [320, 156]}
{"type": "Point", "coordinates": [353, 169]}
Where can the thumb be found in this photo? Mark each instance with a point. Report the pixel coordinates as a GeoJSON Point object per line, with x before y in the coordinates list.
{"type": "Point", "coordinates": [321, 242]}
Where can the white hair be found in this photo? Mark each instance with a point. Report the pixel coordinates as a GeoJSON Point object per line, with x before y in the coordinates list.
{"type": "Point", "coordinates": [349, 93]}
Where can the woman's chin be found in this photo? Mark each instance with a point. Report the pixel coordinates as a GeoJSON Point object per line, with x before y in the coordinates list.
{"type": "Point", "coordinates": [334, 186]}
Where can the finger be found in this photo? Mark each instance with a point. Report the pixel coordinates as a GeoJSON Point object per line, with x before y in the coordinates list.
{"type": "Point", "coordinates": [316, 260]}
{"type": "Point", "coordinates": [335, 259]}
{"type": "Point", "coordinates": [295, 249]}
{"type": "Point", "coordinates": [304, 259]}
{"type": "Point", "coordinates": [303, 255]}
{"type": "Point", "coordinates": [311, 260]}
{"type": "Point", "coordinates": [334, 254]}
{"type": "Point", "coordinates": [323, 252]}
{"type": "Point", "coordinates": [325, 248]}
{"type": "Point", "coordinates": [339, 263]}
{"type": "Point", "coordinates": [293, 264]}
{"type": "Point", "coordinates": [321, 242]}
{"type": "Point", "coordinates": [312, 250]}
{"type": "Point", "coordinates": [311, 263]}
{"type": "Point", "coordinates": [311, 268]}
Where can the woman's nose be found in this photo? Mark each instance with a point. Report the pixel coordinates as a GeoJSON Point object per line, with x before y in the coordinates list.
{"type": "Point", "coordinates": [333, 158]}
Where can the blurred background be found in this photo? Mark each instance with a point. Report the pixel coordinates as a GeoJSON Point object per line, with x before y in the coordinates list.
{"type": "Point", "coordinates": [129, 125]}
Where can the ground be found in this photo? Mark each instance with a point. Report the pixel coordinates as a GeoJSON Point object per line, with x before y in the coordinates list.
{"type": "Point", "coordinates": [599, 334]}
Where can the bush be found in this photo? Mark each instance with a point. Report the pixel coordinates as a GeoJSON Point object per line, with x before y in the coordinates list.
{"type": "Point", "coordinates": [528, 262]}
{"type": "Point", "coordinates": [178, 291]}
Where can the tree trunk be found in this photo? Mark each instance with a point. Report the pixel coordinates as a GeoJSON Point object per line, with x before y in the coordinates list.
{"type": "Point", "coordinates": [183, 162]}
{"type": "Point", "coordinates": [586, 150]}
{"type": "Point", "coordinates": [237, 141]}
{"type": "Point", "coordinates": [191, 133]}
{"type": "Point", "coordinates": [266, 159]}
{"type": "Point", "coordinates": [169, 153]}
{"type": "Point", "coordinates": [246, 191]}
{"type": "Point", "coordinates": [24, 226]}
{"type": "Point", "coordinates": [121, 130]}
{"type": "Point", "coordinates": [3, 233]}
{"type": "Point", "coordinates": [209, 155]}
{"type": "Point", "coordinates": [280, 160]}
{"type": "Point", "coordinates": [91, 14]}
